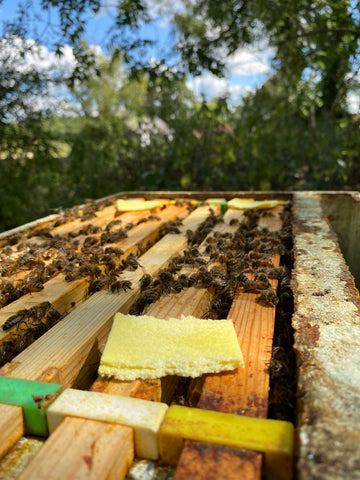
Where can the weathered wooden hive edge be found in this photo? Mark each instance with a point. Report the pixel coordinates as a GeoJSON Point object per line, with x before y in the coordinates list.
{"type": "Point", "coordinates": [172, 194]}
{"type": "Point", "coordinates": [327, 332]}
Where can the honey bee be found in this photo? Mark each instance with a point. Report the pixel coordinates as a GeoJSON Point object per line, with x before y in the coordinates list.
{"type": "Point", "coordinates": [96, 284]}
{"type": "Point", "coordinates": [124, 285]}
{"type": "Point", "coordinates": [164, 281]}
{"type": "Point", "coordinates": [37, 330]}
{"type": "Point", "coordinates": [89, 241]}
{"type": "Point", "coordinates": [3, 300]}
{"type": "Point", "coordinates": [71, 276]}
{"type": "Point", "coordinates": [117, 252]}
{"type": "Point", "coordinates": [262, 281]}
{"type": "Point", "coordinates": [34, 286]}
{"type": "Point", "coordinates": [200, 261]}
{"type": "Point", "coordinates": [147, 297]}
{"type": "Point", "coordinates": [234, 221]}
{"type": "Point", "coordinates": [131, 262]}
{"type": "Point", "coordinates": [203, 278]}
{"type": "Point", "coordinates": [193, 280]}
{"type": "Point", "coordinates": [38, 312]}
{"type": "Point", "coordinates": [53, 316]}
{"type": "Point", "coordinates": [14, 238]}
{"type": "Point", "coordinates": [7, 351]}
{"type": "Point", "coordinates": [16, 319]}
{"type": "Point", "coordinates": [266, 213]}
{"type": "Point", "coordinates": [183, 280]}
{"type": "Point", "coordinates": [267, 298]}
{"type": "Point", "coordinates": [145, 281]}
{"type": "Point", "coordinates": [112, 224]}
{"type": "Point", "coordinates": [153, 218]}
{"type": "Point", "coordinates": [40, 232]}
{"type": "Point", "coordinates": [190, 235]}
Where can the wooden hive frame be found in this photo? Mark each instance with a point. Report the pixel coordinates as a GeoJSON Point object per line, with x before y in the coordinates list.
{"type": "Point", "coordinates": [68, 353]}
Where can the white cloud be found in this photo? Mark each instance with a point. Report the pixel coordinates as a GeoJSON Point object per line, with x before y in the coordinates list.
{"type": "Point", "coordinates": [248, 62]}
{"type": "Point", "coordinates": [210, 86]}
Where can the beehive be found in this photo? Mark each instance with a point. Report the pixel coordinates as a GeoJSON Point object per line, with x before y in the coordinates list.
{"type": "Point", "coordinates": [206, 263]}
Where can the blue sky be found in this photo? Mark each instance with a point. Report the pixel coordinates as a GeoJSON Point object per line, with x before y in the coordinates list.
{"type": "Point", "coordinates": [247, 69]}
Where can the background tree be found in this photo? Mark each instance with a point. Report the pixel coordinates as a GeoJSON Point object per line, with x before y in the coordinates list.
{"type": "Point", "coordinates": [138, 126]}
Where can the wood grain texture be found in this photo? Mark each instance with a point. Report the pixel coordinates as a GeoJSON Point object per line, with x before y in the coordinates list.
{"type": "Point", "coordinates": [89, 450]}
{"type": "Point", "coordinates": [244, 391]}
{"type": "Point", "coordinates": [11, 426]}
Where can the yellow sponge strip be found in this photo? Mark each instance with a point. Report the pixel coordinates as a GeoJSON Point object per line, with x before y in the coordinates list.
{"type": "Point", "coordinates": [246, 203]}
{"type": "Point", "coordinates": [135, 205]}
{"type": "Point", "coordinates": [148, 347]}
{"type": "Point", "coordinates": [274, 438]}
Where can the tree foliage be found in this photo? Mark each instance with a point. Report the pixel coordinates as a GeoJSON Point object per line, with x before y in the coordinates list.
{"type": "Point", "coordinates": [139, 127]}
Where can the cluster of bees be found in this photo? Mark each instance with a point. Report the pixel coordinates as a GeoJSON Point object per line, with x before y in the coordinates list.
{"type": "Point", "coordinates": [223, 263]}
{"type": "Point", "coordinates": [219, 262]}
{"type": "Point", "coordinates": [30, 324]}
{"type": "Point", "coordinates": [89, 253]}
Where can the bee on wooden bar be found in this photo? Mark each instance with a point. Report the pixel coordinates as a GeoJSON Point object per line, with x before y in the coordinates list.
{"type": "Point", "coordinates": [16, 319]}
{"type": "Point", "coordinates": [131, 262]}
{"type": "Point", "coordinates": [153, 218]}
{"type": "Point", "coordinates": [37, 330]}
{"type": "Point", "coordinates": [234, 221]}
{"type": "Point", "coordinates": [129, 226]}
{"type": "Point", "coordinates": [38, 312]}
{"type": "Point", "coordinates": [119, 285]}
{"type": "Point", "coordinates": [193, 280]}
{"type": "Point", "coordinates": [23, 341]}
{"type": "Point", "coordinates": [112, 224]}
{"type": "Point", "coordinates": [200, 279]}
{"type": "Point", "coordinates": [7, 351]}
{"type": "Point", "coordinates": [266, 213]}
{"type": "Point", "coordinates": [190, 235]}
{"type": "Point", "coordinates": [278, 273]}
{"type": "Point", "coordinates": [252, 218]}
{"type": "Point", "coordinates": [200, 261]}
{"type": "Point", "coordinates": [96, 284]}
{"type": "Point", "coordinates": [110, 266]}
{"type": "Point", "coordinates": [88, 213]}
{"type": "Point", "coordinates": [117, 252]}
{"type": "Point", "coordinates": [53, 316]}
{"type": "Point", "coordinates": [262, 281]}
{"type": "Point", "coordinates": [267, 298]}
{"type": "Point", "coordinates": [72, 275]}
{"type": "Point", "coordinates": [40, 232]}
{"type": "Point", "coordinates": [3, 300]}
{"type": "Point", "coordinates": [34, 286]}
{"type": "Point", "coordinates": [164, 281]}
{"type": "Point", "coordinates": [89, 241]}
{"type": "Point", "coordinates": [173, 267]}
{"type": "Point", "coordinates": [107, 237]}
{"type": "Point", "coordinates": [90, 229]}
{"type": "Point", "coordinates": [145, 281]}
{"type": "Point", "coordinates": [147, 297]}
{"type": "Point", "coordinates": [14, 238]}
{"type": "Point", "coordinates": [183, 280]}
{"type": "Point", "coordinates": [250, 286]}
